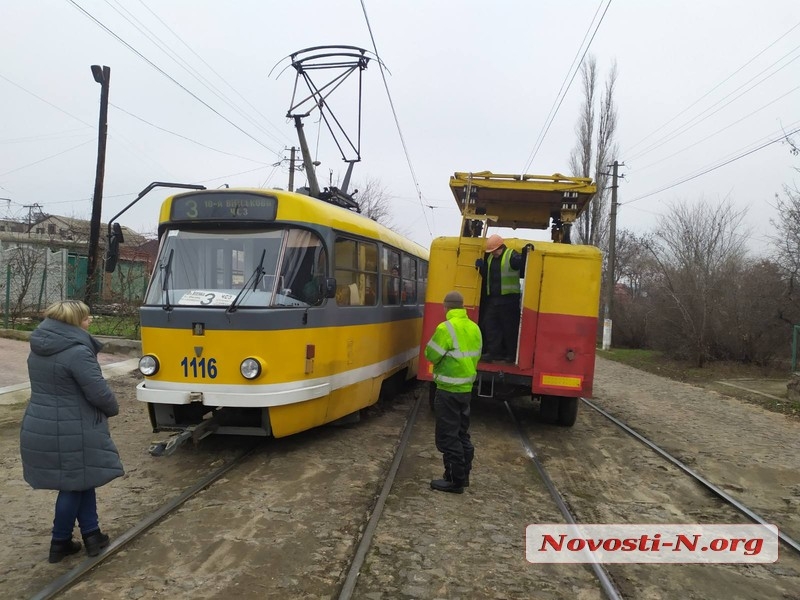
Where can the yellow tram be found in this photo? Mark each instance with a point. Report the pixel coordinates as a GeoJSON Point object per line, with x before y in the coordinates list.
{"type": "Point", "coordinates": [271, 312]}
{"type": "Point", "coordinates": [560, 289]}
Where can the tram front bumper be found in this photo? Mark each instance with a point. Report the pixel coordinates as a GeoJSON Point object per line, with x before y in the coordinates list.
{"type": "Point", "coordinates": [272, 396]}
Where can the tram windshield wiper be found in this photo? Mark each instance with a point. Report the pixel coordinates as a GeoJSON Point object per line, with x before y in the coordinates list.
{"type": "Point", "coordinates": [255, 277]}
{"type": "Point", "coordinates": [166, 271]}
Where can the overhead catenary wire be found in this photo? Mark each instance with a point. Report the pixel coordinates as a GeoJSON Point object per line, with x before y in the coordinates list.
{"type": "Point", "coordinates": [169, 77]}
{"type": "Point", "coordinates": [184, 64]}
{"type": "Point", "coordinates": [210, 68]}
{"type": "Point", "coordinates": [574, 68]}
{"type": "Point", "coordinates": [396, 120]}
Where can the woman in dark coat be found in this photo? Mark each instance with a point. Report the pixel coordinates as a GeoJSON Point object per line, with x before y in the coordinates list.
{"type": "Point", "coordinates": [65, 441]}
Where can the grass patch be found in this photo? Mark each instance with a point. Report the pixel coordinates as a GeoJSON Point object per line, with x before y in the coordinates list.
{"type": "Point", "coordinates": [756, 378]}
{"type": "Point", "coordinates": [114, 326]}
{"type": "Point", "coordinates": [126, 327]}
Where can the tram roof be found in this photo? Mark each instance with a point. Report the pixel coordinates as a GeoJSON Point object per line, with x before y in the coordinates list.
{"type": "Point", "coordinates": [526, 201]}
{"type": "Point", "coordinates": [293, 206]}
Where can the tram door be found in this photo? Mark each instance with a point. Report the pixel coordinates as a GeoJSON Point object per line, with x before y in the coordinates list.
{"type": "Point", "coordinates": [531, 297]}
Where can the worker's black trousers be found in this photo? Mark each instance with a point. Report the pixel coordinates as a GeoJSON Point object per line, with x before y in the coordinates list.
{"type": "Point", "coordinates": [452, 432]}
{"type": "Point", "coordinates": [500, 326]}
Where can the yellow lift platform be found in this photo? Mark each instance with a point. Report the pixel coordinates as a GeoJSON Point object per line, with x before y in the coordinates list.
{"type": "Point", "coordinates": [521, 201]}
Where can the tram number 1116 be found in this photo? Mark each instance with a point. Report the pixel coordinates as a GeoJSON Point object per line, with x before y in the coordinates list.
{"type": "Point", "coordinates": [199, 368]}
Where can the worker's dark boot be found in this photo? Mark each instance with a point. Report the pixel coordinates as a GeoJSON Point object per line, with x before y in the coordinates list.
{"type": "Point", "coordinates": [449, 477]}
{"type": "Point", "coordinates": [95, 541]}
{"type": "Point", "coordinates": [61, 548]}
{"type": "Point", "coordinates": [443, 485]}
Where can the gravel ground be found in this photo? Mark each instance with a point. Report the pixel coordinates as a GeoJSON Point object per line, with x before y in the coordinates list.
{"type": "Point", "coordinates": [285, 523]}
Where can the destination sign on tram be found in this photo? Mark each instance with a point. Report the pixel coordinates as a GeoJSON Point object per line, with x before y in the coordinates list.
{"type": "Point", "coordinates": [223, 206]}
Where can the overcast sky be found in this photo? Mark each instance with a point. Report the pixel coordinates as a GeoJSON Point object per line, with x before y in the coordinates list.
{"type": "Point", "coordinates": [472, 83]}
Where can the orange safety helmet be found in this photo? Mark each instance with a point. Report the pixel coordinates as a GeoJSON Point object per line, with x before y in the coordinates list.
{"type": "Point", "coordinates": [493, 242]}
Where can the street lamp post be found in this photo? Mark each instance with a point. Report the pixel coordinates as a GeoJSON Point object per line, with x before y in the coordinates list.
{"type": "Point", "coordinates": [102, 75]}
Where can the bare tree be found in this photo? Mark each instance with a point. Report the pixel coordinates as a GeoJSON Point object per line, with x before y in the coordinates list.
{"type": "Point", "coordinates": [593, 153]}
{"type": "Point", "coordinates": [376, 203]}
{"type": "Point", "coordinates": [750, 323]}
{"type": "Point", "coordinates": [787, 240]}
{"type": "Point", "coordinates": [634, 263]}
{"type": "Point", "coordinates": [636, 277]}
{"type": "Point", "coordinates": [698, 250]}
{"type": "Point", "coordinates": [25, 265]}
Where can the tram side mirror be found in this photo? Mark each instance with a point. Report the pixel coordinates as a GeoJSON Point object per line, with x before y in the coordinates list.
{"type": "Point", "coordinates": [330, 287]}
{"type": "Point", "coordinates": [112, 251]}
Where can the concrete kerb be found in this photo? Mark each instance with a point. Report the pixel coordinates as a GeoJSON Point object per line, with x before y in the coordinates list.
{"type": "Point", "coordinates": [17, 393]}
{"type": "Point", "coordinates": [111, 345]}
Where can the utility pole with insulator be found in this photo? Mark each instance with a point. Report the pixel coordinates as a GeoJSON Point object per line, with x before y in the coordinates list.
{"type": "Point", "coordinates": [102, 75]}
{"type": "Point", "coordinates": [612, 240]}
{"type": "Point", "coordinates": [291, 169]}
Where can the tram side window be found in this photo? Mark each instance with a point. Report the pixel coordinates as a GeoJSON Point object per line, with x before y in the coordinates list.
{"type": "Point", "coordinates": [422, 281]}
{"type": "Point", "coordinates": [409, 271]}
{"type": "Point", "coordinates": [356, 272]}
{"type": "Point", "coordinates": [304, 267]}
{"type": "Point", "coordinates": [390, 275]}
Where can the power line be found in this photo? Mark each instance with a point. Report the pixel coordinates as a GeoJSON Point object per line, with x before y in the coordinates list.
{"type": "Point", "coordinates": [115, 136]}
{"type": "Point", "coordinates": [559, 100]}
{"type": "Point", "coordinates": [659, 162]}
{"type": "Point", "coordinates": [396, 120]}
{"type": "Point", "coordinates": [184, 137]}
{"type": "Point", "coordinates": [714, 88]}
{"type": "Point", "coordinates": [696, 120]}
{"type": "Point", "coordinates": [232, 174]}
{"type": "Point", "coordinates": [210, 68]}
{"type": "Point", "coordinates": [172, 79]}
{"type": "Point", "coordinates": [129, 194]}
{"type": "Point", "coordinates": [182, 63]}
{"type": "Point", "coordinates": [710, 169]}
{"type": "Point", "coordinates": [58, 108]}
{"type": "Point", "coordinates": [45, 158]}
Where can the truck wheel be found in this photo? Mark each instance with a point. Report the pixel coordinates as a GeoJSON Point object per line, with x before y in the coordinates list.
{"type": "Point", "coordinates": [567, 411]}
{"type": "Point", "coordinates": [548, 409]}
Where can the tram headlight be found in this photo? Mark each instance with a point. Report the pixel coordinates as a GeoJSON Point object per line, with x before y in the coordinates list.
{"type": "Point", "coordinates": [250, 368]}
{"type": "Point", "coordinates": [148, 365]}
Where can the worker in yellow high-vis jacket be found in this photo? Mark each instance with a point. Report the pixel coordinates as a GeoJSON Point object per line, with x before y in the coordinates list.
{"type": "Point", "coordinates": [454, 351]}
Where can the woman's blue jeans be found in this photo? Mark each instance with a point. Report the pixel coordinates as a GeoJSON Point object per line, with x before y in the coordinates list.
{"type": "Point", "coordinates": [71, 506]}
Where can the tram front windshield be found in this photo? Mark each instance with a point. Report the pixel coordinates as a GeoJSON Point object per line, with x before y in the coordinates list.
{"type": "Point", "coordinates": [238, 269]}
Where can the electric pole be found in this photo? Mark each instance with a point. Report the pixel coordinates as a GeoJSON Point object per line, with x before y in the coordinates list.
{"type": "Point", "coordinates": [612, 240]}
{"type": "Point", "coordinates": [291, 169]}
{"type": "Point", "coordinates": [103, 77]}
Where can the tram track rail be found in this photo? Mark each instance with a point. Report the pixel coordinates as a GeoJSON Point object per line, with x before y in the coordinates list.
{"type": "Point", "coordinates": [361, 542]}
{"type": "Point", "coordinates": [717, 491]}
{"type": "Point", "coordinates": [66, 580]}
{"type": "Point", "coordinates": [606, 584]}
{"type": "Point", "coordinates": [609, 588]}
{"type": "Point", "coordinates": [349, 585]}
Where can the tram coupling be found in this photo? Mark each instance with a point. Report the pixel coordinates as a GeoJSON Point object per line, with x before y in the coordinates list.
{"type": "Point", "coordinates": [192, 432]}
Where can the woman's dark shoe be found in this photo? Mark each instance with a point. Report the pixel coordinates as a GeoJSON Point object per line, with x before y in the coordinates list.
{"type": "Point", "coordinates": [61, 548]}
{"type": "Point", "coordinates": [95, 541]}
